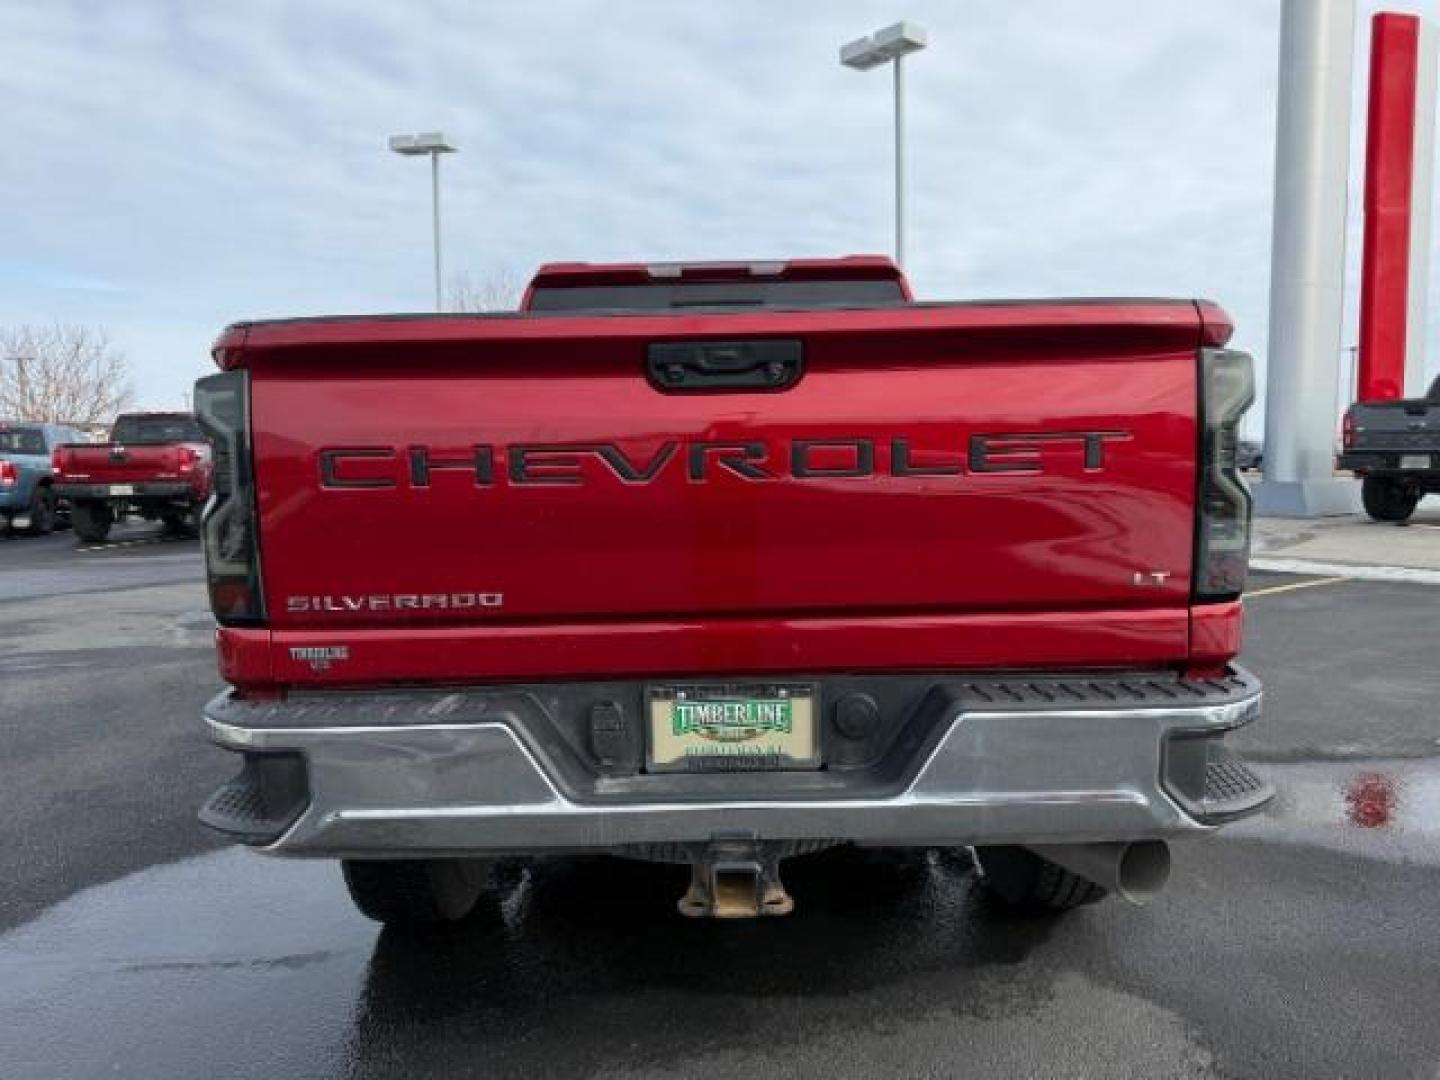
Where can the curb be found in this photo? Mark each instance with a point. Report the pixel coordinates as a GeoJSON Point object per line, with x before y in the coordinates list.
{"type": "Point", "coordinates": [1348, 570]}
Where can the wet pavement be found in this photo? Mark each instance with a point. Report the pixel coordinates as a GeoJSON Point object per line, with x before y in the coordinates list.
{"type": "Point", "coordinates": [1302, 943]}
{"type": "Point", "coordinates": [37, 566]}
{"type": "Point", "coordinates": [1265, 959]}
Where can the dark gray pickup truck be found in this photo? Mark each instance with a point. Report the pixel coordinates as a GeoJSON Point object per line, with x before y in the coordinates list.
{"type": "Point", "coordinates": [1394, 446]}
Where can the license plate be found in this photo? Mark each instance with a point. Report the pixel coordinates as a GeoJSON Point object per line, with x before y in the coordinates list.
{"type": "Point", "coordinates": [122, 489]}
{"type": "Point", "coordinates": [732, 728]}
{"type": "Point", "coordinates": [1414, 461]}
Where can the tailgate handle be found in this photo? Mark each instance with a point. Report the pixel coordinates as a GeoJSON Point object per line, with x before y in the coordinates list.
{"type": "Point", "coordinates": [725, 365]}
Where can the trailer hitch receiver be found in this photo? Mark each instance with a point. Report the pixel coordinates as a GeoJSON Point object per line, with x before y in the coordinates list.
{"type": "Point", "coordinates": [734, 879]}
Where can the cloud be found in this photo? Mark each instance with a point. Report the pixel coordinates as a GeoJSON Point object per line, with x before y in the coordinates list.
{"type": "Point", "coordinates": [215, 162]}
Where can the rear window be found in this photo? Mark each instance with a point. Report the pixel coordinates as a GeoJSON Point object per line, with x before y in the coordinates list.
{"type": "Point", "coordinates": [153, 430]}
{"type": "Point", "coordinates": [662, 296]}
{"type": "Point", "coordinates": [22, 440]}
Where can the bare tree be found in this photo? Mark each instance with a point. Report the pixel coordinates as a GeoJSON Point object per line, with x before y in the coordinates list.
{"type": "Point", "coordinates": [499, 291]}
{"type": "Point", "coordinates": [61, 374]}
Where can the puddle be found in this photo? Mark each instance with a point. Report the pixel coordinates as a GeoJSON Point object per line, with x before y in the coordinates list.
{"type": "Point", "coordinates": [235, 964]}
{"type": "Point", "coordinates": [177, 968]}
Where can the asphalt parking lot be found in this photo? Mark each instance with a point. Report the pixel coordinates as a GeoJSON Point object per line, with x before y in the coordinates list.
{"type": "Point", "coordinates": [132, 943]}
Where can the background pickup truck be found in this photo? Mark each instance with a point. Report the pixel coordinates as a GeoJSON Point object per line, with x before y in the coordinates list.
{"type": "Point", "coordinates": [27, 495]}
{"type": "Point", "coordinates": [721, 564]}
{"type": "Point", "coordinates": [1395, 447]}
{"type": "Point", "coordinates": [157, 465]}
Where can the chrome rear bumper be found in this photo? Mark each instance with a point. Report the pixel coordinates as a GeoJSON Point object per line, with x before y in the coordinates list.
{"type": "Point", "coordinates": [428, 781]}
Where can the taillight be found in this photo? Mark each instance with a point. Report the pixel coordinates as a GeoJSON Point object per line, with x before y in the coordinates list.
{"type": "Point", "coordinates": [1347, 431]}
{"type": "Point", "coordinates": [57, 458]}
{"type": "Point", "coordinates": [9, 474]}
{"type": "Point", "coordinates": [1222, 519]}
{"type": "Point", "coordinates": [187, 459]}
{"type": "Point", "coordinates": [229, 523]}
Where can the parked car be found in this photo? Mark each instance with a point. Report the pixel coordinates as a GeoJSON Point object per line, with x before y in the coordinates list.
{"type": "Point", "coordinates": [1394, 446]}
{"type": "Point", "coordinates": [721, 564]}
{"type": "Point", "coordinates": [1250, 455]}
{"type": "Point", "coordinates": [157, 465]}
{"type": "Point", "coordinates": [28, 499]}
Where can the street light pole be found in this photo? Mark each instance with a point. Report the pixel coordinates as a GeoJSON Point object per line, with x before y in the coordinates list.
{"type": "Point", "coordinates": [890, 45]}
{"type": "Point", "coordinates": [899, 66]}
{"type": "Point", "coordinates": [435, 221]}
{"type": "Point", "coordinates": [434, 144]}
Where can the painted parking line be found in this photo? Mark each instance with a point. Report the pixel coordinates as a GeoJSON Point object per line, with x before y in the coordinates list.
{"type": "Point", "coordinates": [1273, 589]}
{"type": "Point", "coordinates": [90, 549]}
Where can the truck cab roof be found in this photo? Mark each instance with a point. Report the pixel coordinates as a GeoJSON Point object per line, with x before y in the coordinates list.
{"type": "Point", "coordinates": [841, 268]}
{"type": "Point", "coordinates": [849, 279]}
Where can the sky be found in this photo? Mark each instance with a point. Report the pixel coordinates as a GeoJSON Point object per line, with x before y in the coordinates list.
{"type": "Point", "coordinates": [169, 168]}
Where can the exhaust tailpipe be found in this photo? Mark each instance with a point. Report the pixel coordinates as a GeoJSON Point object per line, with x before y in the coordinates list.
{"type": "Point", "coordinates": [1132, 871]}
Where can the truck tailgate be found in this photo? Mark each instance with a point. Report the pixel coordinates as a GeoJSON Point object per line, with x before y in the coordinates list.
{"type": "Point", "coordinates": [1406, 424]}
{"type": "Point", "coordinates": [115, 463]}
{"type": "Point", "coordinates": [1007, 463]}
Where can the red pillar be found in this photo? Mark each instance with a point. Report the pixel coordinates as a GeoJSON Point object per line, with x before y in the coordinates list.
{"type": "Point", "coordinates": [1389, 168]}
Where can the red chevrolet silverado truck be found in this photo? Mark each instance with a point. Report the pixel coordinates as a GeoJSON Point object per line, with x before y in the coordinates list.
{"type": "Point", "coordinates": [157, 465]}
{"type": "Point", "coordinates": [721, 564]}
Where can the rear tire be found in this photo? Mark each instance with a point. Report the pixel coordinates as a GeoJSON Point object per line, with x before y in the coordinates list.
{"type": "Point", "coordinates": [416, 892]}
{"type": "Point", "coordinates": [42, 511]}
{"type": "Point", "coordinates": [175, 524]}
{"type": "Point", "coordinates": [1389, 499]}
{"type": "Point", "coordinates": [1023, 880]}
{"type": "Point", "coordinates": [92, 520]}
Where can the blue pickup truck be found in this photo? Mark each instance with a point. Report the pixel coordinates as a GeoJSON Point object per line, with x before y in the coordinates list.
{"type": "Point", "coordinates": [27, 499]}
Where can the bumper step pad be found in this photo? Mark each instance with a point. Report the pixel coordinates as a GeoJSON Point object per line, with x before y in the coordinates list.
{"type": "Point", "coordinates": [1212, 782]}
{"type": "Point", "coordinates": [1230, 786]}
{"type": "Point", "coordinates": [261, 801]}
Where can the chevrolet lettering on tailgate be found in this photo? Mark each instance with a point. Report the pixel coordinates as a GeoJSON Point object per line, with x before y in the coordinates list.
{"type": "Point", "coordinates": [842, 457]}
